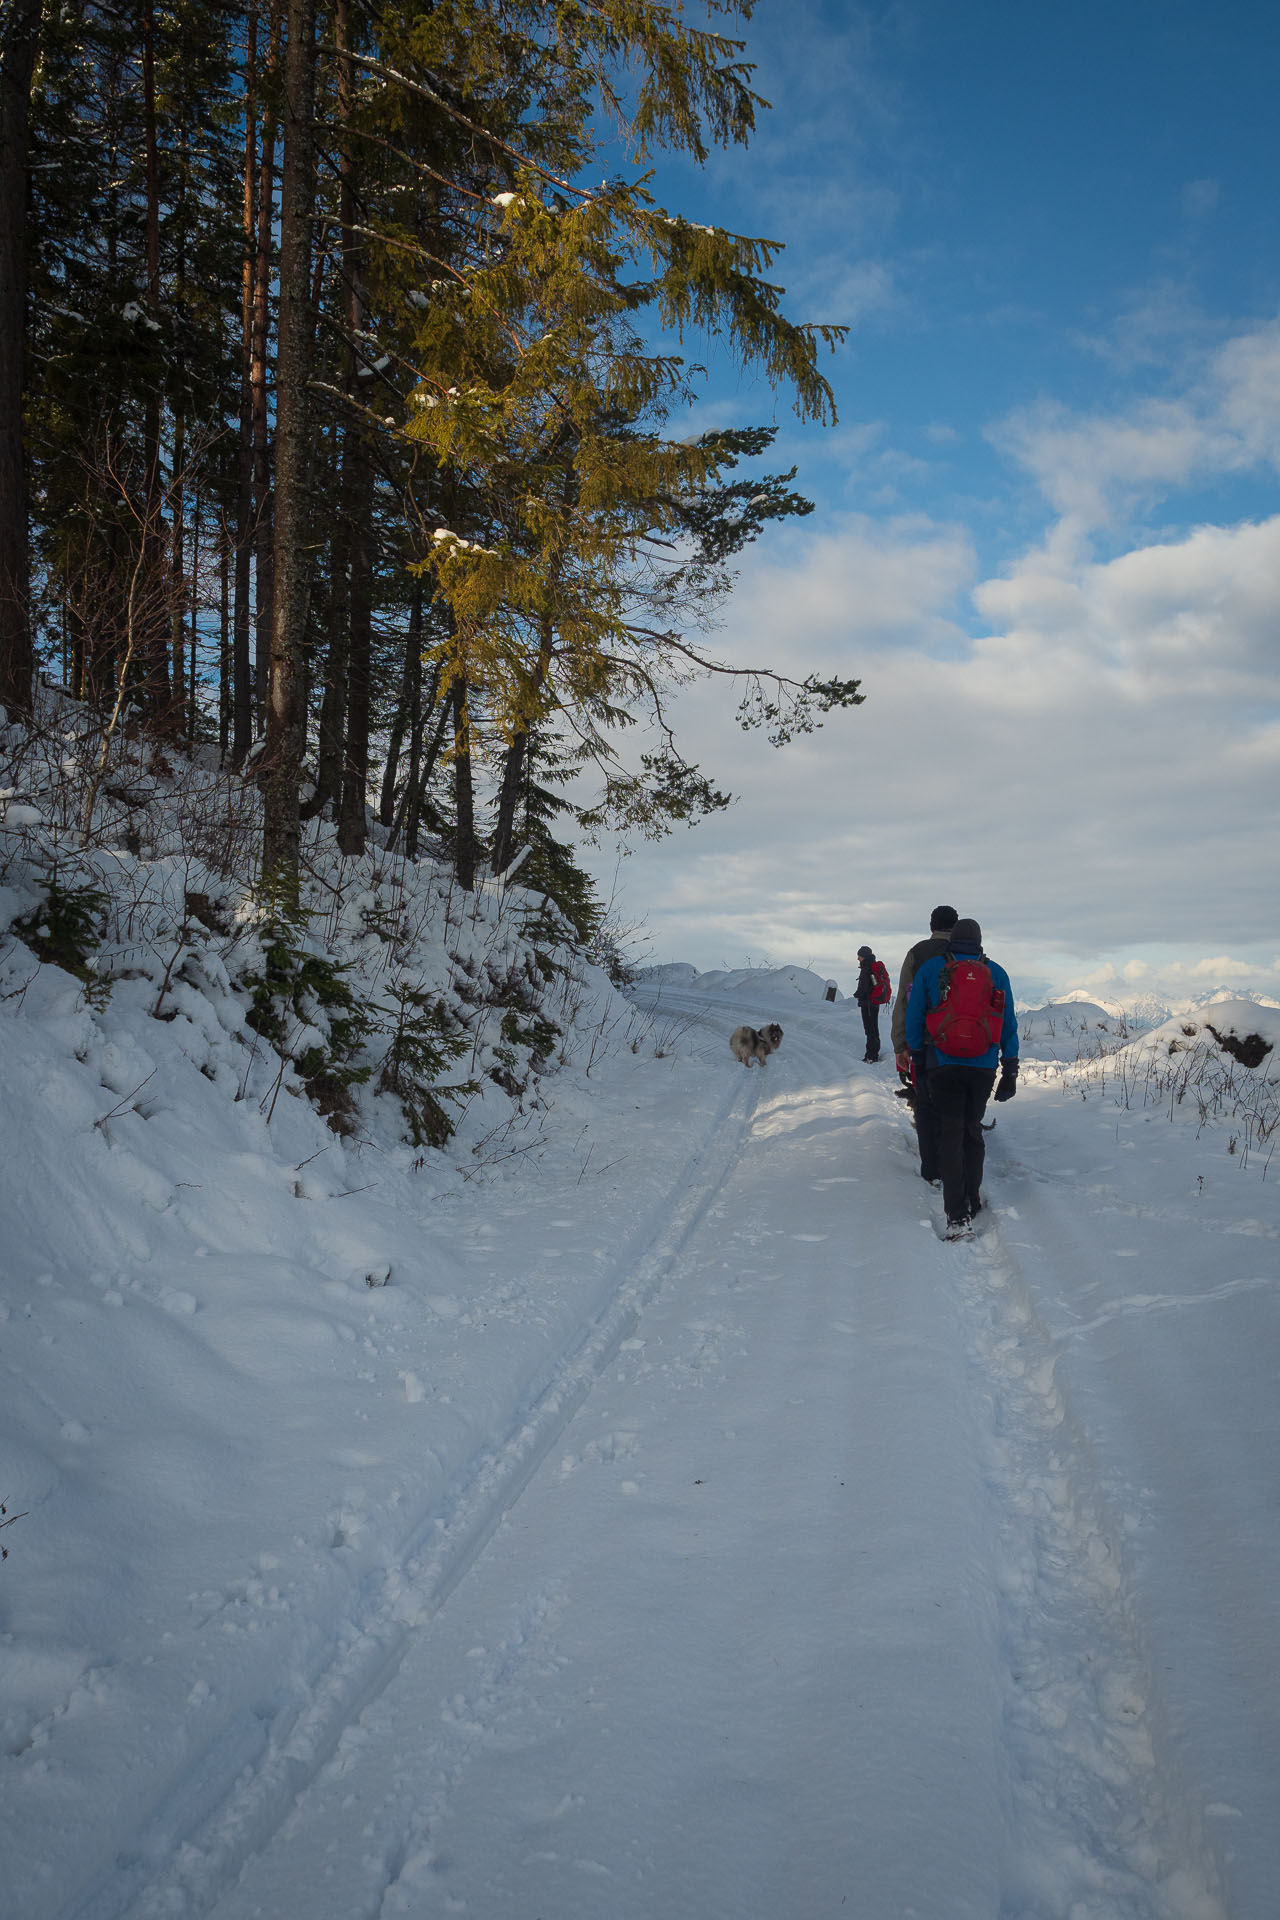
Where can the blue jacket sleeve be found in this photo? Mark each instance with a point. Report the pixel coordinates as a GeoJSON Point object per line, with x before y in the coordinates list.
{"type": "Point", "coordinates": [917, 1006]}
{"type": "Point", "coordinates": [1009, 1031]}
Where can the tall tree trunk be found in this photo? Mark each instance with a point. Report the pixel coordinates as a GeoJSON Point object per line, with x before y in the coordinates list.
{"type": "Point", "coordinates": [183, 691]}
{"type": "Point", "coordinates": [241, 673]}
{"type": "Point", "coordinates": [226, 669]}
{"type": "Point", "coordinates": [357, 479]}
{"type": "Point", "coordinates": [17, 64]}
{"type": "Point", "coordinates": [178, 638]}
{"type": "Point", "coordinates": [466, 853]}
{"type": "Point", "coordinates": [355, 752]}
{"type": "Point", "coordinates": [152, 647]}
{"type": "Point", "coordinates": [193, 678]}
{"type": "Point", "coordinates": [79, 663]}
{"type": "Point", "coordinates": [262, 495]}
{"type": "Point", "coordinates": [513, 766]}
{"type": "Point", "coordinates": [286, 709]}
{"type": "Point", "coordinates": [504, 838]}
{"type": "Point", "coordinates": [407, 707]}
{"type": "Point", "coordinates": [333, 703]}
{"type": "Point", "coordinates": [421, 766]}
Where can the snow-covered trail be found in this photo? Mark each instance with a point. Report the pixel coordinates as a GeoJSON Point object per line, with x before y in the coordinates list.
{"type": "Point", "coordinates": [1144, 1318]}
{"type": "Point", "coordinates": [805, 1597]}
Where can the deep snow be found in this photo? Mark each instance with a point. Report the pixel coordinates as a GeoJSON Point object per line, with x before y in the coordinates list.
{"type": "Point", "coordinates": [680, 1528]}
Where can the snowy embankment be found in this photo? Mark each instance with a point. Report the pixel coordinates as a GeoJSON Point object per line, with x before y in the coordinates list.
{"type": "Point", "coordinates": [675, 1524]}
{"type": "Point", "coordinates": [259, 1373]}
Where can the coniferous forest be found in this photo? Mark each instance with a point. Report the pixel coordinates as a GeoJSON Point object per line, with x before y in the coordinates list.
{"type": "Point", "coordinates": [345, 357]}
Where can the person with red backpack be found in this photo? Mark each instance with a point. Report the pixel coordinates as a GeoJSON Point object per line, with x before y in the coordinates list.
{"type": "Point", "coordinates": [941, 921]}
{"type": "Point", "coordinates": [960, 1024]}
{"type": "Point", "coordinates": [872, 992]}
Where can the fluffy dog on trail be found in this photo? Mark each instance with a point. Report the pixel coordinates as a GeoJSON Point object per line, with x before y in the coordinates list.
{"type": "Point", "coordinates": [747, 1045]}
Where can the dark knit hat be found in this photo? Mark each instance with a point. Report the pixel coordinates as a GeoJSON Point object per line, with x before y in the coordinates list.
{"type": "Point", "coordinates": [865, 953]}
{"type": "Point", "coordinates": [966, 933]}
{"type": "Point", "coordinates": [942, 919]}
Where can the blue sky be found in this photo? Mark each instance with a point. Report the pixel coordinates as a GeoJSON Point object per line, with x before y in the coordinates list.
{"type": "Point", "coordinates": [1048, 523]}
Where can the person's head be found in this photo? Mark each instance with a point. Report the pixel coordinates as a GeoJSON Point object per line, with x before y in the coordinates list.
{"type": "Point", "coordinates": [865, 953]}
{"type": "Point", "coordinates": [942, 919]}
{"type": "Point", "coordinates": [966, 933]}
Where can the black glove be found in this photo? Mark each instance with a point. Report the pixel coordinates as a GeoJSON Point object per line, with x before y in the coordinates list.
{"type": "Point", "coordinates": [1008, 1081]}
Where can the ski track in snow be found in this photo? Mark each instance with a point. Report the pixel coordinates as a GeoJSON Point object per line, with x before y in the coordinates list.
{"type": "Point", "coordinates": [245, 1788]}
{"type": "Point", "coordinates": [1095, 1821]}
{"type": "Point", "coordinates": [1099, 1824]}
{"type": "Point", "coordinates": [1126, 1486]}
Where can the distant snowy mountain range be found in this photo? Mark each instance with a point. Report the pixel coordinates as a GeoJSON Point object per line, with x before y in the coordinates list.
{"type": "Point", "coordinates": [1080, 1005]}
{"type": "Point", "coordinates": [1147, 1010]}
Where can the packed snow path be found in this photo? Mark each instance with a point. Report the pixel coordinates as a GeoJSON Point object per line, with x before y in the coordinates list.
{"type": "Point", "coordinates": [666, 1523]}
{"type": "Point", "coordinates": [802, 1589]}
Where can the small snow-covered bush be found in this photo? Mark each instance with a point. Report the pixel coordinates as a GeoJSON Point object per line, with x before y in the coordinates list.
{"type": "Point", "coordinates": [423, 1043]}
{"type": "Point", "coordinates": [303, 1003]}
{"type": "Point", "coordinates": [67, 925]}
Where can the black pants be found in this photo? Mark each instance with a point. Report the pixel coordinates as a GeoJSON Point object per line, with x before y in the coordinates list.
{"type": "Point", "coordinates": [959, 1096]}
{"type": "Point", "coordinates": [922, 1112]}
{"type": "Point", "coordinates": [871, 1027]}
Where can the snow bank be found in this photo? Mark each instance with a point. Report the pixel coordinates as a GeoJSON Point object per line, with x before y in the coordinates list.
{"type": "Point", "coordinates": [1216, 1069]}
{"type": "Point", "coordinates": [781, 985]}
{"type": "Point", "coordinates": [1077, 1027]}
{"type": "Point", "coordinates": [1224, 1020]}
{"type": "Point", "coordinates": [248, 1350]}
{"type": "Point", "coordinates": [1071, 1028]}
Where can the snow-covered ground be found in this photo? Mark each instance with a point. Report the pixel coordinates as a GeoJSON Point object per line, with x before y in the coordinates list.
{"type": "Point", "coordinates": [656, 1518]}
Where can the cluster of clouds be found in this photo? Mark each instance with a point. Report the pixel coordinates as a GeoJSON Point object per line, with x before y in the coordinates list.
{"type": "Point", "coordinates": [1096, 469]}
{"type": "Point", "coordinates": [1083, 750]}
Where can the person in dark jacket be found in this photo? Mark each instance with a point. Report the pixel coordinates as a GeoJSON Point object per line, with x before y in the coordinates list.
{"type": "Point", "coordinates": [870, 995]}
{"type": "Point", "coordinates": [941, 921]}
{"type": "Point", "coordinates": [959, 1088]}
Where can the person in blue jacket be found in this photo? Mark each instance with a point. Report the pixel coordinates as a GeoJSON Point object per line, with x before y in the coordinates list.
{"type": "Point", "coordinates": [959, 1089]}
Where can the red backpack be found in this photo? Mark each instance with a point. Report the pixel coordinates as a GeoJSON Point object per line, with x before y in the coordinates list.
{"type": "Point", "coordinates": [969, 1016]}
{"type": "Point", "coordinates": [880, 988]}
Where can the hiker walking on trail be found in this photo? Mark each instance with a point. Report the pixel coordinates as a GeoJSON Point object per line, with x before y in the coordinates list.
{"type": "Point", "coordinates": [960, 1023]}
{"type": "Point", "coordinates": [941, 922]}
{"type": "Point", "coordinates": [871, 993]}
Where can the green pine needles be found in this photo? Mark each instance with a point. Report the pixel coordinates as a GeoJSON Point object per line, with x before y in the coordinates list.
{"type": "Point", "coordinates": [355, 422]}
{"type": "Point", "coordinates": [422, 1043]}
{"type": "Point", "coordinates": [302, 1003]}
{"type": "Point", "coordinates": [67, 926]}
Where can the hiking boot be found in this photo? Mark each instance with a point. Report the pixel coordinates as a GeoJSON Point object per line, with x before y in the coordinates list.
{"type": "Point", "coordinates": [960, 1228]}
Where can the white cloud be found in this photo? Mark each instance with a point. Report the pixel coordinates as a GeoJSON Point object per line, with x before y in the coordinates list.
{"type": "Point", "coordinates": [1093, 776]}
{"type": "Point", "coordinates": [1245, 385]}
{"type": "Point", "coordinates": [864, 582]}
{"type": "Point", "coordinates": [1223, 967]}
{"type": "Point", "coordinates": [859, 288]}
{"type": "Point", "coordinates": [1164, 326]}
{"type": "Point", "coordinates": [1089, 778]}
{"type": "Point", "coordinates": [1192, 616]}
{"type": "Point", "coordinates": [1094, 469]}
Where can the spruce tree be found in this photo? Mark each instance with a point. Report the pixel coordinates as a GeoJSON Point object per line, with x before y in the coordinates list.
{"type": "Point", "coordinates": [467, 524]}
{"type": "Point", "coordinates": [18, 42]}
